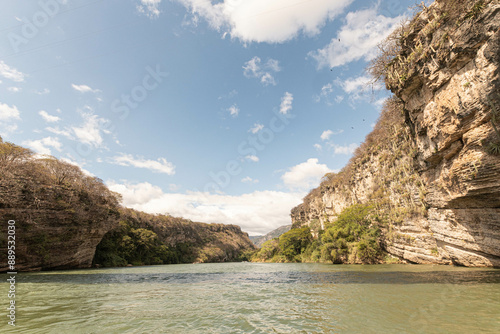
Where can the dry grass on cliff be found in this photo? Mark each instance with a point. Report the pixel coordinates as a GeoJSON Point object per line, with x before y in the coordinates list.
{"type": "Point", "coordinates": [391, 119]}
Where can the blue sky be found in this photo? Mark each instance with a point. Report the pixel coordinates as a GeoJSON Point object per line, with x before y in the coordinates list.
{"type": "Point", "coordinates": [226, 111]}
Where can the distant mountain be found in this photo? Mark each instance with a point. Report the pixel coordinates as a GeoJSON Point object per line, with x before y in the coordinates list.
{"type": "Point", "coordinates": [258, 240]}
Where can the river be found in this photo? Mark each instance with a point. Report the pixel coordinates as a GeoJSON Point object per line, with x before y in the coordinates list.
{"type": "Point", "coordinates": [257, 298]}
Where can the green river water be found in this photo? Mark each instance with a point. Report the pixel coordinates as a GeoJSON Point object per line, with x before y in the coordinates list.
{"type": "Point", "coordinates": [257, 298]}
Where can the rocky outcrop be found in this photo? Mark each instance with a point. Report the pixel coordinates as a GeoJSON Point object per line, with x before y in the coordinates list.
{"type": "Point", "coordinates": [435, 173]}
{"type": "Point", "coordinates": [58, 223]}
{"type": "Point", "coordinates": [62, 216]}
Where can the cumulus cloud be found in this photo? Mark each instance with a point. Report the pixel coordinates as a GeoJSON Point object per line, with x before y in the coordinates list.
{"type": "Point", "coordinates": [48, 118]}
{"type": "Point", "coordinates": [286, 103]}
{"type": "Point", "coordinates": [161, 165]}
{"type": "Point", "coordinates": [11, 73]}
{"type": "Point", "coordinates": [357, 39]}
{"type": "Point", "coordinates": [42, 146]}
{"type": "Point", "coordinates": [305, 176]}
{"type": "Point", "coordinates": [267, 21]}
{"type": "Point", "coordinates": [84, 89]}
{"type": "Point", "coordinates": [257, 212]}
{"type": "Point", "coordinates": [255, 69]}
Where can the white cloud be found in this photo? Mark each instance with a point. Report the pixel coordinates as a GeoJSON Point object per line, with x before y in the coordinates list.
{"type": "Point", "coordinates": [267, 21]}
{"type": "Point", "coordinates": [256, 128]}
{"type": "Point", "coordinates": [41, 146]}
{"type": "Point", "coordinates": [326, 90]}
{"type": "Point", "coordinates": [234, 110]}
{"type": "Point", "coordinates": [257, 212]}
{"type": "Point", "coordinates": [161, 165]}
{"type": "Point", "coordinates": [306, 175]}
{"type": "Point", "coordinates": [346, 149]}
{"type": "Point", "coordinates": [42, 92]}
{"type": "Point", "coordinates": [286, 103]}
{"type": "Point", "coordinates": [90, 131]}
{"type": "Point", "coordinates": [8, 113]}
{"type": "Point", "coordinates": [254, 69]}
{"type": "Point", "coordinates": [248, 179]}
{"type": "Point", "coordinates": [66, 133]}
{"type": "Point", "coordinates": [149, 8]}
{"type": "Point", "coordinates": [48, 118]}
{"type": "Point", "coordinates": [84, 89]}
{"type": "Point", "coordinates": [328, 133]}
{"type": "Point", "coordinates": [357, 39]}
{"type": "Point", "coordinates": [14, 89]}
{"type": "Point", "coordinates": [318, 147]}
{"type": "Point", "coordinates": [253, 158]}
{"type": "Point", "coordinates": [11, 73]}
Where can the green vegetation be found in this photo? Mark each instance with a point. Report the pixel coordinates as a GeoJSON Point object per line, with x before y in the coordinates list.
{"type": "Point", "coordinates": [352, 238]}
{"type": "Point", "coordinates": [137, 246]}
{"type": "Point", "coordinates": [58, 209]}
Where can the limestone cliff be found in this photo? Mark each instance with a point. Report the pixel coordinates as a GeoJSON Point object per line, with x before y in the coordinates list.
{"type": "Point", "coordinates": [62, 215]}
{"type": "Point", "coordinates": [431, 167]}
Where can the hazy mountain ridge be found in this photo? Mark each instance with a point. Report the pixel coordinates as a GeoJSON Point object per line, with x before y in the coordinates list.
{"type": "Point", "coordinates": [258, 240]}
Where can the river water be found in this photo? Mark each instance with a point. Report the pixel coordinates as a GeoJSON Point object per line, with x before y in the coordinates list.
{"type": "Point", "coordinates": [257, 298]}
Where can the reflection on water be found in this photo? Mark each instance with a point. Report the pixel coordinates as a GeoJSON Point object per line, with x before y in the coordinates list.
{"type": "Point", "coordinates": [259, 298]}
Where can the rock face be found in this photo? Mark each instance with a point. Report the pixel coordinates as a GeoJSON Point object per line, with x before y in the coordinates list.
{"type": "Point", "coordinates": [58, 226]}
{"type": "Point", "coordinates": [61, 216]}
{"type": "Point", "coordinates": [446, 74]}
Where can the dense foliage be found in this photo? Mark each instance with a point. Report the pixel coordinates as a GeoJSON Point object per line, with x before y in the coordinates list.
{"type": "Point", "coordinates": [352, 238]}
{"type": "Point", "coordinates": [137, 246]}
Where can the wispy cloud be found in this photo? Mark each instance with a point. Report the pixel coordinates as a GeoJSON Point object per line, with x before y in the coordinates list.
{"type": "Point", "coordinates": [248, 179]}
{"type": "Point", "coordinates": [255, 69]}
{"type": "Point", "coordinates": [328, 133]}
{"type": "Point", "coordinates": [286, 103]}
{"type": "Point", "coordinates": [11, 73]}
{"type": "Point", "coordinates": [234, 110]}
{"type": "Point", "coordinates": [84, 89]}
{"type": "Point", "coordinates": [42, 146]}
{"type": "Point", "coordinates": [14, 89]}
{"type": "Point", "coordinates": [357, 39]}
{"type": "Point", "coordinates": [48, 118]}
{"type": "Point", "coordinates": [253, 158]}
{"type": "Point", "coordinates": [150, 8]}
{"type": "Point", "coordinates": [90, 132]}
{"type": "Point", "coordinates": [256, 128]}
{"type": "Point", "coordinates": [161, 165]}
{"type": "Point", "coordinates": [346, 149]}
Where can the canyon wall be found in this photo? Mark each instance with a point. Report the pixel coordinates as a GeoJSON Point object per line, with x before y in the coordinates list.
{"type": "Point", "coordinates": [432, 166]}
